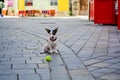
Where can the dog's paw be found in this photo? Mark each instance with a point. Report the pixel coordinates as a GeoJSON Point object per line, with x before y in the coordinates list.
{"type": "Point", "coordinates": [56, 52]}
{"type": "Point", "coordinates": [42, 52]}
{"type": "Point", "coordinates": [45, 52]}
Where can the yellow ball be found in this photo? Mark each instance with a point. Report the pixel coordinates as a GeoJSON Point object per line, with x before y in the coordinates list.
{"type": "Point", "coordinates": [48, 58]}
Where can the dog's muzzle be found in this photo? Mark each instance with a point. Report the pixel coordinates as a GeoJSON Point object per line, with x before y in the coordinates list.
{"type": "Point", "coordinates": [53, 39]}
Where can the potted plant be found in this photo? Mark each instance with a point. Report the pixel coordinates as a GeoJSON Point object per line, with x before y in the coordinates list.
{"type": "Point", "coordinates": [12, 12]}
{"type": "Point", "coordinates": [1, 6]}
{"type": "Point", "coordinates": [70, 13]}
{"type": "Point", "coordinates": [52, 12]}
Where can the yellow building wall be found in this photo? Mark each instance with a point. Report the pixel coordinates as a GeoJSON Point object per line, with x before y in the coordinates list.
{"type": "Point", "coordinates": [63, 5]}
{"type": "Point", "coordinates": [21, 5]}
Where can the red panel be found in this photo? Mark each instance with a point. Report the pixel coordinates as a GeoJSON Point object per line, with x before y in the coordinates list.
{"type": "Point", "coordinates": [91, 9]}
{"type": "Point", "coordinates": [104, 12]}
{"type": "Point", "coordinates": [118, 14]}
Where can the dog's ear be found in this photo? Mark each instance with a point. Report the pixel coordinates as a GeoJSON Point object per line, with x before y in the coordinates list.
{"type": "Point", "coordinates": [54, 31]}
{"type": "Point", "coordinates": [48, 31]}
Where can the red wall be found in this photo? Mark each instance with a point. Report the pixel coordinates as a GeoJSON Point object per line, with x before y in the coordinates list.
{"type": "Point", "coordinates": [91, 10]}
{"type": "Point", "coordinates": [104, 12]}
{"type": "Point", "coordinates": [118, 14]}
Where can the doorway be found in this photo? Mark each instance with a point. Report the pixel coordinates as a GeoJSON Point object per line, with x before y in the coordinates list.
{"type": "Point", "coordinates": [84, 7]}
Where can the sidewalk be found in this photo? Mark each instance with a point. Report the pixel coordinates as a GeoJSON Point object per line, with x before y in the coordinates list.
{"type": "Point", "coordinates": [87, 51]}
{"type": "Point", "coordinates": [10, 17]}
{"type": "Point", "coordinates": [80, 17]}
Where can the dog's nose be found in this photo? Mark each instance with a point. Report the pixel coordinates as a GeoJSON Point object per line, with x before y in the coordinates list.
{"type": "Point", "coordinates": [52, 37]}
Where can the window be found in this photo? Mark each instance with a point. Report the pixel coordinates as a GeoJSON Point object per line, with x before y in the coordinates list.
{"type": "Point", "coordinates": [10, 3]}
{"type": "Point", "coordinates": [53, 2]}
{"type": "Point", "coordinates": [28, 2]}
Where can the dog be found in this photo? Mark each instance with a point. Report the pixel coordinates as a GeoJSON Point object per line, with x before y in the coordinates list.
{"type": "Point", "coordinates": [50, 46]}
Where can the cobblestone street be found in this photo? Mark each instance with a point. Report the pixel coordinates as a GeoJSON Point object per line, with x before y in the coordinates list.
{"type": "Point", "coordinates": [87, 51]}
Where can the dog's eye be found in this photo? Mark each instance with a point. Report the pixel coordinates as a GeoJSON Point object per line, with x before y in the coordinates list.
{"type": "Point", "coordinates": [54, 32]}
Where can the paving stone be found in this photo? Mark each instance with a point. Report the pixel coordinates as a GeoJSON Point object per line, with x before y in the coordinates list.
{"type": "Point", "coordinates": [78, 72]}
{"type": "Point", "coordinates": [68, 55]}
{"type": "Point", "coordinates": [114, 43]}
{"type": "Point", "coordinates": [90, 43]}
{"type": "Point", "coordinates": [23, 71]}
{"type": "Point", "coordinates": [20, 58]}
{"type": "Point", "coordinates": [29, 55]}
{"type": "Point", "coordinates": [113, 49]}
{"type": "Point", "coordinates": [86, 48]}
{"type": "Point", "coordinates": [13, 62]}
{"type": "Point", "coordinates": [103, 71]}
{"type": "Point", "coordinates": [117, 71]}
{"type": "Point", "coordinates": [114, 66]}
{"type": "Point", "coordinates": [99, 53]}
{"type": "Point", "coordinates": [85, 53]}
{"type": "Point", "coordinates": [43, 66]}
{"type": "Point", "coordinates": [37, 58]}
{"type": "Point", "coordinates": [29, 77]}
{"type": "Point", "coordinates": [34, 61]}
{"type": "Point", "coordinates": [45, 76]}
{"type": "Point", "coordinates": [59, 73]}
{"type": "Point", "coordinates": [32, 48]}
{"type": "Point", "coordinates": [111, 76]}
{"type": "Point", "coordinates": [13, 55]}
{"type": "Point", "coordinates": [91, 61]}
{"type": "Point", "coordinates": [24, 66]}
{"type": "Point", "coordinates": [118, 52]}
{"type": "Point", "coordinates": [56, 61]}
{"type": "Point", "coordinates": [8, 77]}
{"type": "Point", "coordinates": [2, 59]}
{"type": "Point", "coordinates": [115, 60]}
{"type": "Point", "coordinates": [16, 71]}
{"type": "Point", "coordinates": [69, 43]}
{"type": "Point", "coordinates": [80, 75]}
{"type": "Point", "coordinates": [28, 51]}
{"type": "Point", "coordinates": [1, 55]}
{"type": "Point", "coordinates": [5, 66]}
{"type": "Point", "coordinates": [85, 58]}
{"type": "Point", "coordinates": [101, 64]}
{"type": "Point", "coordinates": [78, 45]}
{"type": "Point", "coordinates": [114, 55]}
{"type": "Point", "coordinates": [97, 74]}
{"type": "Point", "coordinates": [92, 68]}
{"type": "Point", "coordinates": [74, 63]}
{"type": "Point", "coordinates": [104, 57]}
{"type": "Point", "coordinates": [101, 49]}
{"type": "Point", "coordinates": [58, 70]}
{"type": "Point", "coordinates": [44, 73]}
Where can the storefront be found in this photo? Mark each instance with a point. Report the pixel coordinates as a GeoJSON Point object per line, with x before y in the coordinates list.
{"type": "Point", "coordinates": [29, 7]}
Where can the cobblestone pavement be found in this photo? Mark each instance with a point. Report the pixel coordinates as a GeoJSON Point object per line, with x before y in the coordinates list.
{"type": "Point", "coordinates": [87, 51]}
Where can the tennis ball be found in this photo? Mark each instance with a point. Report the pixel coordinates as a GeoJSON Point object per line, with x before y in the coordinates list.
{"type": "Point", "coordinates": [48, 58]}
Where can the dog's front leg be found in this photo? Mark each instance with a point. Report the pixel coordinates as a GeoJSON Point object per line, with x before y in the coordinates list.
{"type": "Point", "coordinates": [55, 51]}
{"type": "Point", "coordinates": [45, 49]}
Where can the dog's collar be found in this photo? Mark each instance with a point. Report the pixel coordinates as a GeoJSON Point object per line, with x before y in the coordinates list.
{"type": "Point", "coordinates": [53, 39]}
